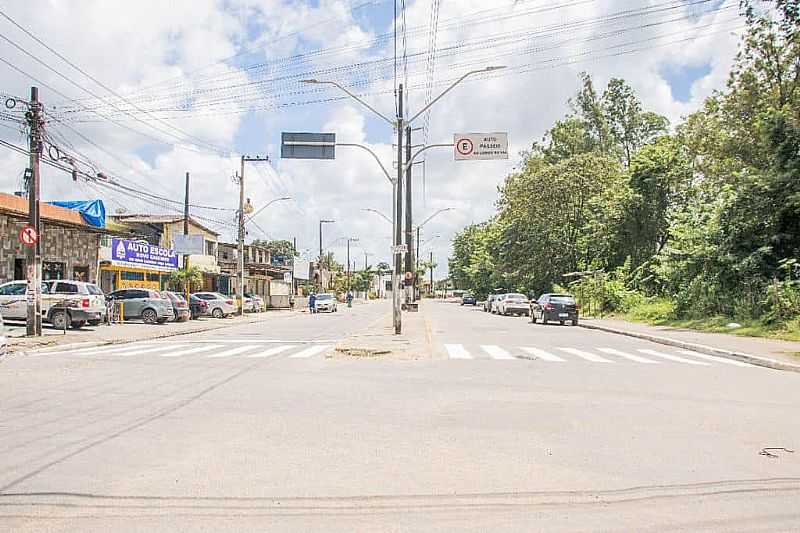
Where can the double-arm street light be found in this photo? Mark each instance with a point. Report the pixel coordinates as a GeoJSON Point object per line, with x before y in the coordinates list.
{"type": "Point", "coordinates": [400, 125]}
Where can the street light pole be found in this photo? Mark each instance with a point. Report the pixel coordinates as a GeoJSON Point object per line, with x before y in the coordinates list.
{"type": "Point", "coordinates": [321, 222]}
{"type": "Point", "coordinates": [398, 237]}
{"type": "Point", "coordinates": [409, 231]}
{"type": "Point", "coordinates": [242, 232]}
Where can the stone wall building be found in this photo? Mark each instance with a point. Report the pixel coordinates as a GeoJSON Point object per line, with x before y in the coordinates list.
{"type": "Point", "coordinates": [69, 245]}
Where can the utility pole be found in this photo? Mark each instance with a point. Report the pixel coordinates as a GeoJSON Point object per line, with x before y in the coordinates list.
{"type": "Point", "coordinates": [431, 267]}
{"type": "Point", "coordinates": [398, 234]}
{"type": "Point", "coordinates": [416, 266]}
{"type": "Point", "coordinates": [34, 256]}
{"type": "Point", "coordinates": [321, 222]}
{"type": "Point", "coordinates": [409, 231]}
{"type": "Point", "coordinates": [186, 232]}
{"type": "Point", "coordinates": [242, 231]}
{"type": "Point", "coordinates": [349, 284]}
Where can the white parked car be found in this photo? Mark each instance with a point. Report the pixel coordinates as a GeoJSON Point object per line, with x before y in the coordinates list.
{"type": "Point", "coordinates": [3, 341]}
{"type": "Point", "coordinates": [513, 304]}
{"type": "Point", "coordinates": [219, 305]}
{"type": "Point", "coordinates": [253, 302]}
{"type": "Point", "coordinates": [325, 302]}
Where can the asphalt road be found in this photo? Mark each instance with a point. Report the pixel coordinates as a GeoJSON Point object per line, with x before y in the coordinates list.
{"type": "Point", "coordinates": [507, 426]}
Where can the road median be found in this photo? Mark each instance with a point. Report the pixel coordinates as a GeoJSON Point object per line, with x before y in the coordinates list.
{"type": "Point", "coordinates": [379, 341]}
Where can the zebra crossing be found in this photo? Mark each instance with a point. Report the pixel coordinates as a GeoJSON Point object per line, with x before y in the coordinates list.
{"type": "Point", "coordinates": [599, 355]}
{"type": "Point", "coordinates": [205, 349]}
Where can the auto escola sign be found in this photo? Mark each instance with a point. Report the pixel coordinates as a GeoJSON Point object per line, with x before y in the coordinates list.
{"type": "Point", "coordinates": [143, 255]}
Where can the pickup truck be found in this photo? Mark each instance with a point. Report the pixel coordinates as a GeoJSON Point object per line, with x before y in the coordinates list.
{"type": "Point", "coordinates": [65, 303]}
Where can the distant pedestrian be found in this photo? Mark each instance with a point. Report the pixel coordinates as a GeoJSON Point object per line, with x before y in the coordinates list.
{"type": "Point", "coordinates": [349, 298]}
{"type": "Point", "coordinates": [312, 300]}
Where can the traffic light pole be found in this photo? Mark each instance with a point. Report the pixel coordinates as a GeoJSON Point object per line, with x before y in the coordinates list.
{"type": "Point", "coordinates": [34, 256]}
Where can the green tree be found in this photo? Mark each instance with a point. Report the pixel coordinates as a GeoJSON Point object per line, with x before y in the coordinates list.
{"type": "Point", "coordinates": [278, 248]}
{"type": "Point", "coordinates": [186, 279]}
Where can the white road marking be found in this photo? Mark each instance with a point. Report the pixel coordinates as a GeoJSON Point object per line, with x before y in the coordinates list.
{"type": "Point", "coordinates": [544, 356]}
{"type": "Point", "coordinates": [272, 351]}
{"type": "Point", "coordinates": [630, 356]}
{"type": "Point", "coordinates": [586, 355]}
{"type": "Point", "coordinates": [496, 352]}
{"type": "Point", "coordinates": [232, 351]}
{"type": "Point", "coordinates": [139, 351]}
{"type": "Point", "coordinates": [673, 358]}
{"type": "Point", "coordinates": [108, 348]}
{"type": "Point", "coordinates": [716, 359]}
{"type": "Point", "coordinates": [308, 352]}
{"type": "Point", "coordinates": [257, 340]}
{"type": "Point", "coordinates": [457, 351]}
{"type": "Point", "coordinates": [196, 349]}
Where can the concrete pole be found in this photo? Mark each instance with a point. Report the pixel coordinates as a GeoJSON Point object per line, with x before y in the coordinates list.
{"type": "Point", "coordinates": [34, 266]}
{"type": "Point", "coordinates": [241, 240]}
{"type": "Point", "coordinates": [398, 234]}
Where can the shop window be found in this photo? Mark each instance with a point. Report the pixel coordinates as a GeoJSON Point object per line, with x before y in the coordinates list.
{"type": "Point", "coordinates": [153, 277]}
{"type": "Point", "coordinates": [51, 270]}
{"type": "Point", "coordinates": [80, 273]}
{"type": "Point", "coordinates": [132, 276]}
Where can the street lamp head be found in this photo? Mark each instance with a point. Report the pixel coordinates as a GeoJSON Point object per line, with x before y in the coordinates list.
{"type": "Point", "coordinates": [309, 81]}
{"type": "Point", "coordinates": [496, 67]}
{"type": "Point", "coordinates": [324, 221]}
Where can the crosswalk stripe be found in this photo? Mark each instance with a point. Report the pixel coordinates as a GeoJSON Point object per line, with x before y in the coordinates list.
{"type": "Point", "coordinates": [673, 358]}
{"type": "Point", "coordinates": [310, 351]}
{"type": "Point", "coordinates": [457, 351]}
{"type": "Point", "coordinates": [108, 349]}
{"type": "Point", "coordinates": [632, 357]}
{"type": "Point", "coordinates": [586, 355]}
{"type": "Point", "coordinates": [496, 352]}
{"type": "Point", "coordinates": [716, 359]}
{"type": "Point", "coordinates": [272, 351]}
{"type": "Point", "coordinates": [139, 350]}
{"type": "Point", "coordinates": [232, 351]}
{"type": "Point", "coordinates": [544, 356]}
{"type": "Point", "coordinates": [196, 349]}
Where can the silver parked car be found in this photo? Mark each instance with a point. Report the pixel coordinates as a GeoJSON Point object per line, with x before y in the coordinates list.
{"type": "Point", "coordinates": [149, 305]}
{"type": "Point", "coordinates": [65, 303]}
{"type": "Point", "coordinates": [513, 304]}
{"type": "Point", "coordinates": [219, 305]}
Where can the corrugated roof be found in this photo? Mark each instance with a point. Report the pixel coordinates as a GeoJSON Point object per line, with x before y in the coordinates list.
{"type": "Point", "coordinates": [159, 219]}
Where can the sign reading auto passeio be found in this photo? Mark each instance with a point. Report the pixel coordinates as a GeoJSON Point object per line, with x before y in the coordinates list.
{"type": "Point", "coordinates": [480, 146]}
{"type": "Point", "coordinates": [143, 255]}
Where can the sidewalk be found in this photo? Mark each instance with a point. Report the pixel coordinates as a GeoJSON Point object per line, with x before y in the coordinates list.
{"type": "Point", "coordinates": [773, 353]}
{"type": "Point", "coordinates": [122, 333]}
{"type": "Point", "coordinates": [379, 341]}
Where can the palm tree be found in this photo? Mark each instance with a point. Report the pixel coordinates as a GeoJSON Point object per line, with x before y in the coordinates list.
{"type": "Point", "coordinates": [186, 278]}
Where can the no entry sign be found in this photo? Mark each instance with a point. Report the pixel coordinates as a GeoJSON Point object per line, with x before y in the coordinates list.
{"type": "Point", "coordinates": [478, 146]}
{"type": "Point", "coordinates": [28, 235]}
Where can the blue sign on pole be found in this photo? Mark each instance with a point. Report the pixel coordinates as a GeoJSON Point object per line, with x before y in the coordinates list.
{"type": "Point", "coordinates": [143, 255]}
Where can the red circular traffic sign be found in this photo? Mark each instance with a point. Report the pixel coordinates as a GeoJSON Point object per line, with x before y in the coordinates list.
{"type": "Point", "coordinates": [464, 146]}
{"type": "Point", "coordinates": [28, 235]}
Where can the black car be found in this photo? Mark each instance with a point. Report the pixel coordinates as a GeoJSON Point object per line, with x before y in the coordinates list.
{"type": "Point", "coordinates": [197, 307]}
{"type": "Point", "coordinates": [555, 308]}
{"type": "Point", "coordinates": [468, 299]}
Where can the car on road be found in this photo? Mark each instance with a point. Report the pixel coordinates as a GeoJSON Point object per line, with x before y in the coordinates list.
{"type": "Point", "coordinates": [219, 305]}
{"type": "Point", "coordinates": [468, 299]}
{"type": "Point", "coordinates": [180, 307]}
{"type": "Point", "coordinates": [559, 308]}
{"type": "Point", "coordinates": [494, 307]}
{"type": "Point", "coordinates": [487, 305]}
{"type": "Point", "coordinates": [151, 306]}
{"type": "Point", "coordinates": [256, 303]}
{"type": "Point", "coordinates": [197, 307]}
{"type": "Point", "coordinates": [65, 303]}
{"type": "Point", "coordinates": [513, 304]}
{"type": "Point", "coordinates": [325, 302]}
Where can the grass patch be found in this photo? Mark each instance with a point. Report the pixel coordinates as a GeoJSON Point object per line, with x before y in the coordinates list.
{"type": "Point", "coordinates": [661, 312]}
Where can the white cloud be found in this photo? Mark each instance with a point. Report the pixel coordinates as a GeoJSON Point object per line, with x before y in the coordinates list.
{"type": "Point", "coordinates": [133, 46]}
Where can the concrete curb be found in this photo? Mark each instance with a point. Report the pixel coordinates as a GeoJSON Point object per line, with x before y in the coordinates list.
{"type": "Point", "coordinates": [43, 350]}
{"type": "Point", "coordinates": [701, 348]}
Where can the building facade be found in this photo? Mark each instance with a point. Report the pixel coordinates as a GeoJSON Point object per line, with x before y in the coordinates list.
{"type": "Point", "coordinates": [69, 245]}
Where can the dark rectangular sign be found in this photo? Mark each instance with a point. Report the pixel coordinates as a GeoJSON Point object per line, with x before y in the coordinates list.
{"type": "Point", "coordinates": [308, 145]}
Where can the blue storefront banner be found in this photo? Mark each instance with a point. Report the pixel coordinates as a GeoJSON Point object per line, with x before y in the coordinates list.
{"type": "Point", "coordinates": [142, 255]}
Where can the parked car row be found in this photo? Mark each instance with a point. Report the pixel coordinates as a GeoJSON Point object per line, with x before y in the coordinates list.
{"type": "Point", "coordinates": [549, 307]}
{"type": "Point", "coordinates": [73, 304]}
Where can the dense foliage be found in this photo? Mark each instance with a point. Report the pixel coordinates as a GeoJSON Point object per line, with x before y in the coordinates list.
{"type": "Point", "coordinates": [704, 217]}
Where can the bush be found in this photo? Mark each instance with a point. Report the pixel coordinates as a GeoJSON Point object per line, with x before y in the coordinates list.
{"type": "Point", "coordinates": [652, 310]}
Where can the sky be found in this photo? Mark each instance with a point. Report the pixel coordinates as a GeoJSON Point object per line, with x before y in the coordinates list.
{"type": "Point", "coordinates": [145, 93]}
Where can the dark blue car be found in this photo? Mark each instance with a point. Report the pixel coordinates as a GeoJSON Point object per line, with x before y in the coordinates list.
{"type": "Point", "coordinates": [468, 299]}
